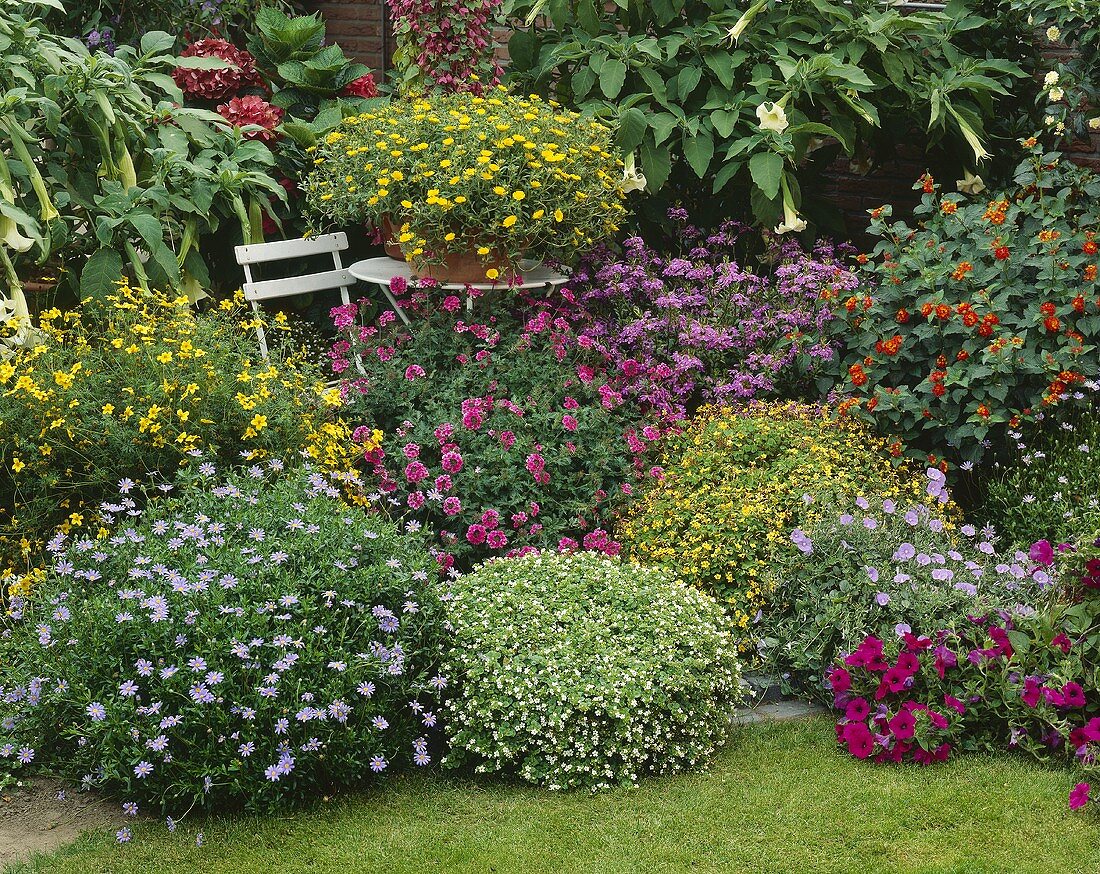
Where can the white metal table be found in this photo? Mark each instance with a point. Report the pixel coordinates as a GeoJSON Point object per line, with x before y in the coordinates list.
{"type": "Point", "coordinates": [382, 271]}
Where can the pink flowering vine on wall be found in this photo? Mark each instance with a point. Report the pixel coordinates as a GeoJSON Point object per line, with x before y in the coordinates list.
{"type": "Point", "coordinates": [445, 44]}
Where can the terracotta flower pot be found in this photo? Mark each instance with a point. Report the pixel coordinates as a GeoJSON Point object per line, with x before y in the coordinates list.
{"type": "Point", "coordinates": [466, 267]}
{"type": "Point", "coordinates": [389, 239]}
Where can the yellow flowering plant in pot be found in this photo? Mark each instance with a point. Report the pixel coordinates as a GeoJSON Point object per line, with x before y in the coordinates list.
{"type": "Point", "coordinates": [471, 184]}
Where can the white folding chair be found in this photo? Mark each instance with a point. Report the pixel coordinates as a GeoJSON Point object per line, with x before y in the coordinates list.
{"type": "Point", "coordinates": [256, 291]}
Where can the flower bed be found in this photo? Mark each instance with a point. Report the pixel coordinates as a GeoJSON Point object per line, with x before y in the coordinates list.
{"type": "Point", "coordinates": [251, 641]}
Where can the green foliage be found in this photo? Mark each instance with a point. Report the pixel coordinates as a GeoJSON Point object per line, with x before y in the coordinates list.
{"type": "Point", "coordinates": [870, 568]}
{"type": "Point", "coordinates": [290, 51]}
{"type": "Point", "coordinates": [1049, 486]}
{"type": "Point", "coordinates": [986, 311]}
{"type": "Point", "coordinates": [109, 23]}
{"type": "Point", "coordinates": [100, 158]}
{"type": "Point", "coordinates": [697, 78]}
{"type": "Point", "coordinates": [578, 671]}
{"type": "Point", "coordinates": [266, 650]}
{"type": "Point", "coordinates": [737, 481]}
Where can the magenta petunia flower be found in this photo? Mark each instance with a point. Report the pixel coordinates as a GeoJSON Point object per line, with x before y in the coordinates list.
{"type": "Point", "coordinates": [902, 725]}
{"type": "Point", "coordinates": [1042, 552]}
{"type": "Point", "coordinates": [1079, 796]}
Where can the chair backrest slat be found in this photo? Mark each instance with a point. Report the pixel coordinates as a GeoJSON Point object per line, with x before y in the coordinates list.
{"type": "Point", "coordinates": [281, 250]}
{"type": "Point", "coordinates": [256, 291]}
{"type": "Point", "coordinates": [269, 289]}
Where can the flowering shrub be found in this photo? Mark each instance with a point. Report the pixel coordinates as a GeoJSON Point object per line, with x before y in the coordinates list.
{"type": "Point", "coordinates": [497, 439]}
{"type": "Point", "coordinates": [458, 172]}
{"type": "Point", "coordinates": [251, 641]}
{"type": "Point", "coordinates": [698, 325]}
{"type": "Point", "coordinates": [736, 482]}
{"type": "Point", "coordinates": [1022, 680]}
{"type": "Point", "coordinates": [875, 568]}
{"type": "Point", "coordinates": [216, 84]}
{"type": "Point", "coordinates": [252, 110]}
{"type": "Point", "coordinates": [364, 86]}
{"type": "Point", "coordinates": [1049, 489]}
{"type": "Point", "coordinates": [446, 45]}
{"type": "Point", "coordinates": [986, 313]}
{"type": "Point", "coordinates": [129, 385]}
{"type": "Point", "coordinates": [581, 671]}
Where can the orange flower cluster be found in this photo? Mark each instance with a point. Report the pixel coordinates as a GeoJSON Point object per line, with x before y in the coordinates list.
{"type": "Point", "coordinates": [995, 213]}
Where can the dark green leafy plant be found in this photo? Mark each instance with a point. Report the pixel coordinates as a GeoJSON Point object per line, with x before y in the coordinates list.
{"type": "Point", "coordinates": [100, 160]}
{"type": "Point", "coordinates": [723, 100]}
{"type": "Point", "coordinates": [290, 51]}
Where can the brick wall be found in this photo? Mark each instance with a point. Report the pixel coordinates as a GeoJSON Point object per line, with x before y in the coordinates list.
{"type": "Point", "coordinates": [360, 27]}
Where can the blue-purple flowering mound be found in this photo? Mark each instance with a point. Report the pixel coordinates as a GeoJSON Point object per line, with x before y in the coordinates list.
{"type": "Point", "coordinates": [251, 641]}
{"type": "Point", "coordinates": [883, 567]}
{"type": "Point", "coordinates": [581, 671]}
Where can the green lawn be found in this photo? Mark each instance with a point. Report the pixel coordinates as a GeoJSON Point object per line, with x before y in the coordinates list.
{"type": "Point", "coordinates": [781, 798]}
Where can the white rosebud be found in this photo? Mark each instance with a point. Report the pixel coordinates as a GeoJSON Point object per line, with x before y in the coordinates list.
{"type": "Point", "coordinates": [1053, 33]}
{"type": "Point", "coordinates": [1094, 123]}
{"type": "Point", "coordinates": [772, 117]}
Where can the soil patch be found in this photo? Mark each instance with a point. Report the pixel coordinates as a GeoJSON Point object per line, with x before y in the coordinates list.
{"type": "Point", "coordinates": [42, 815]}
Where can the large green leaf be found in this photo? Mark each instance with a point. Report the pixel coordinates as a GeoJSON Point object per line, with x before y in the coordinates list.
{"type": "Point", "coordinates": [156, 42]}
{"type": "Point", "coordinates": [612, 77]}
{"type": "Point", "coordinates": [656, 164]}
{"type": "Point", "coordinates": [722, 178]}
{"type": "Point", "coordinates": [767, 172]}
{"type": "Point", "coordinates": [584, 77]}
{"type": "Point", "coordinates": [698, 150]}
{"type": "Point", "coordinates": [101, 271]}
{"type": "Point", "coordinates": [523, 50]}
{"type": "Point", "coordinates": [687, 81]}
{"type": "Point", "coordinates": [663, 124]}
{"type": "Point", "coordinates": [632, 127]}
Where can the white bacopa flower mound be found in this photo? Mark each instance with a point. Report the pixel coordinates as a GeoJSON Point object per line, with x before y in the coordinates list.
{"type": "Point", "coordinates": [582, 671]}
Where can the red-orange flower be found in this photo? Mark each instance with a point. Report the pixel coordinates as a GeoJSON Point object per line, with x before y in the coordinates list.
{"type": "Point", "coordinates": [1052, 324]}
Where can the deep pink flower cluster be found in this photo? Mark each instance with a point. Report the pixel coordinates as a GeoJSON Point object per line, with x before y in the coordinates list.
{"type": "Point", "coordinates": [497, 441]}
{"type": "Point", "coordinates": [250, 109]}
{"type": "Point", "coordinates": [910, 729]}
{"type": "Point", "coordinates": [216, 84]}
{"type": "Point", "coordinates": [1023, 681]}
{"type": "Point", "coordinates": [451, 41]}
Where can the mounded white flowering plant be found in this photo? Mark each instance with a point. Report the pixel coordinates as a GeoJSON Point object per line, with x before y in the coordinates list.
{"type": "Point", "coordinates": [583, 671]}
